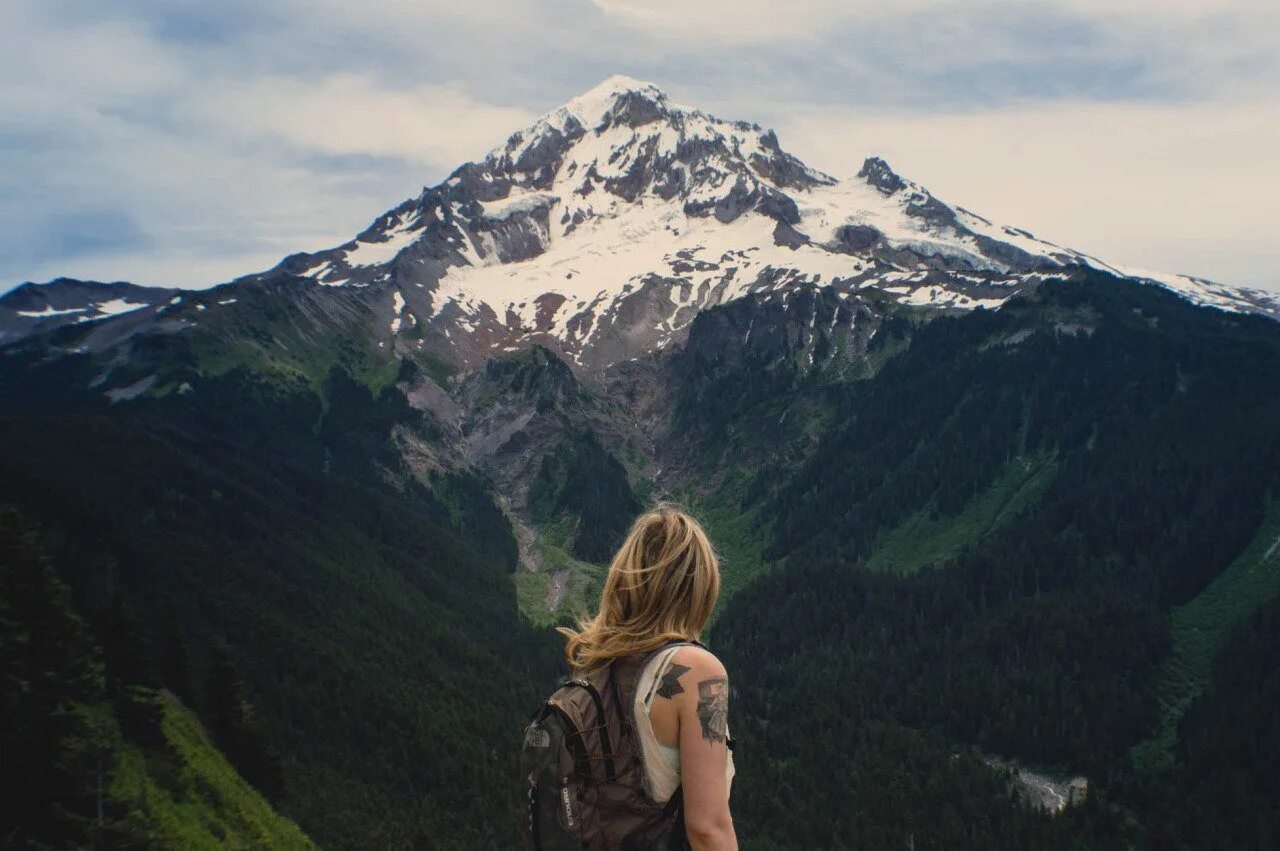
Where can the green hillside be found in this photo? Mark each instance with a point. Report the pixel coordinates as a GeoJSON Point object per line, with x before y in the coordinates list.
{"type": "Point", "coordinates": [192, 797]}
{"type": "Point", "coordinates": [94, 755]}
{"type": "Point", "coordinates": [1202, 626]}
{"type": "Point", "coordinates": [925, 538]}
{"type": "Point", "coordinates": [734, 526]}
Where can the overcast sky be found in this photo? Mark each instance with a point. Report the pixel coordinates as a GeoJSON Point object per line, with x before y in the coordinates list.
{"type": "Point", "coordinates": [174, 142]}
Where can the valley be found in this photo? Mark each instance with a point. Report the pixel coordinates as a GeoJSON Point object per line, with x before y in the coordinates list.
{"type": "Point", "coordinates": [974, 493]}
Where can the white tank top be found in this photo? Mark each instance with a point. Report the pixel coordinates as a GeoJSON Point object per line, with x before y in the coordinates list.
{"type": "Point", "coordinates": [661, 762]}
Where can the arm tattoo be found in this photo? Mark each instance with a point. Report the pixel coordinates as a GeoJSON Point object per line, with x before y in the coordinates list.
{"type": "Point", "coordinates": [670, 685]}
{"type": "Point", "coordinates": [713, 709]}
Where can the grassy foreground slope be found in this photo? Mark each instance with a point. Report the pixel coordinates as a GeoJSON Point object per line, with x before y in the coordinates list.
{"type": "Point", "coordinates": [196, 799]}
{"type": "Point", "coordinates": [94, 755]}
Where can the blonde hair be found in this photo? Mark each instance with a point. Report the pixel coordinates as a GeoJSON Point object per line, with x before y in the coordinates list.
{"type": "Point", "coordinates": [662, 586]}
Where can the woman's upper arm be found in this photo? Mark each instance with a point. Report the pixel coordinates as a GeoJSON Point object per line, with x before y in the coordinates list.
{"type": "Point", "coordinates": [703, 708]}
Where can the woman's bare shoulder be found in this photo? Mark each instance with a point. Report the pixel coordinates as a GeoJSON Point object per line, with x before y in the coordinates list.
{"type": "Point", "coordinates": [702, 662]}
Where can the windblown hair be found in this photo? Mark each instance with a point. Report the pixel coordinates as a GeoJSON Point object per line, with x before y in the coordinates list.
{"type": "Point", "coordinates": [662, 586]}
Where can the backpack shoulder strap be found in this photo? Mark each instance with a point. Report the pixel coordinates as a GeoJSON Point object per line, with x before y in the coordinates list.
{"type": "Point", "coordinates": [624, 681]}
{"type": "Point", "coordinates": [648, 657]}
{"type": "Point", "coordinates": [601, 726]}
{"type": "Point", "coordinates": [674, 810]}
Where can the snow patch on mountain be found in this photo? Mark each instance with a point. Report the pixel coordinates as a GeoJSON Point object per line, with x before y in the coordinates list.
{"type": "Point", "coordinates": [701, 261]}
{"type": "Point", "coordinates": [397, 306]}
{"type": "Point", "coordinates": [49, 310]}
{"type": "Point", "coordinates": [395, 240]}
{"type": "Point", "coordinates": [927, 296]}
{"type": "Point", "coordinates": [115, 307]}
{"type": "Point", "coordinates": [96, 310]}
{"type": "Point", "coordinates": [1207, 293]}
{"type": "Point", "coordinates": [517, 202]}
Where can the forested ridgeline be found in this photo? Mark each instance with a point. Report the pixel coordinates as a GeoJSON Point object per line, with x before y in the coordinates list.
{"type": "Point", "coordinates": [380, 649]}
{"type": "Point", "coordinates": [1039, 637]}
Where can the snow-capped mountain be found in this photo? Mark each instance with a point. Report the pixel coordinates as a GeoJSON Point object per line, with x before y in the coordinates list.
{"type": "Point", "coordinates": [606, 226]}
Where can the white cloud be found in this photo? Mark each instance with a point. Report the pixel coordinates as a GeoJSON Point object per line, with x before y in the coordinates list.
{"type": "Point", "coordinates": [770, 21]}
{"type": "Point", "coordinates": [739, 21]}
{"type": "Point", "coordinates": [103, 63]}
{"type": "Point", "coordinates": [438, 126]}
{"type": "Point", "coordinates": [1185, 188]}
{"type": "Point", "coordinates": [196, 170]}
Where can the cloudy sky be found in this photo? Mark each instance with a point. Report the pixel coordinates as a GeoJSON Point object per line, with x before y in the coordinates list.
{"type": "Point", "coordinates": [175, 142]}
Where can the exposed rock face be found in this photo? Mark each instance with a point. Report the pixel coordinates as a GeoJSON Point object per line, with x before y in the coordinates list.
{"type": "Point", "coordinates": [818, 324]}
{"type": "Point", "coordinates": [857, 238]}
{"type": "Point", "coordinates": [877, 172]}
{"type": "Point", "coordinates": [518, 411]}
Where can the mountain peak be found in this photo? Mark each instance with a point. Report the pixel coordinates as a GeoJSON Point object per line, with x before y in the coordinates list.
{"type": "Point", "coordinates": [878, 173]}
{"type": "Point", "coordinates": [590, 108]}
{"type": "Point", "coordinates": [615, 86]}
{"type": "Point", "coordinates": [626, 138]}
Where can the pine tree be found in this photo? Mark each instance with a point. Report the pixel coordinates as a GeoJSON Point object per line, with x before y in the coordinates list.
{"type": "Point", "coordinates": [235, 726]}
{"type": "Point", "coordinates": [223, 694]}
{"type": "Point", "coordinates": [58, 748]}
{"type": "Point", "coordinates": [130, 673]}
{"type": "Point", "coordinates": [175, 658]}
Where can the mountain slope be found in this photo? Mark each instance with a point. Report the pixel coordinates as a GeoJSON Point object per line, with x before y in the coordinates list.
{"type": "Point", "coordinates": [205, 803]}
{"type": "Point", "coordinates": [1044, 637]}
{"type": "Point", "coordinates": [263, 515]}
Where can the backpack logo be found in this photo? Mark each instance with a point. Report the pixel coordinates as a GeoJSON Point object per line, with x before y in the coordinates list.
{"type": "Point", "coordinates": [567, 803]}
{"type": "Point", "coordinates": [536, 737]}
